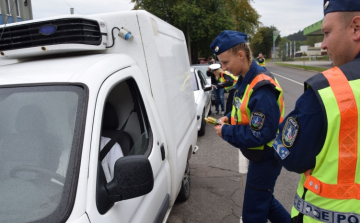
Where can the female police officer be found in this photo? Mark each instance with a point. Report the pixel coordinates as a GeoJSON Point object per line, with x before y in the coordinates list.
{"type": "Point", "coordinates": [258, 108]}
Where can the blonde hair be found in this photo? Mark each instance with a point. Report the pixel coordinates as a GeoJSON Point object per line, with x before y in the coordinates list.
{"type": "Point", "coordinates": [245, 48]}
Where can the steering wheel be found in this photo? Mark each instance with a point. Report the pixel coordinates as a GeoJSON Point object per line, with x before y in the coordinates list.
{"type": "Point", "coordinates": [39, 170]}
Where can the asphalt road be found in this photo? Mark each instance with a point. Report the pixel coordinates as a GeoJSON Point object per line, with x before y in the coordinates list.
{"type": "Point", "coordinates": [217, 183]}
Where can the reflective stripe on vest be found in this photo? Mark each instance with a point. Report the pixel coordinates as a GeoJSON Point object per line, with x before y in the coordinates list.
{"type": "Point", "coordinates": [346, 188]}
{"type": "Point", "coordinates": [261, 64]}
{"type": "Point", "coordinates": [334, 183]}
{"type": "Point", "coordinates": [242, 115]}
{"type": "Point", "coordinates": [222, 80]}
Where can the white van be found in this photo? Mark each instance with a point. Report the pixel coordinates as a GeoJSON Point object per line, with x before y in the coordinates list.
{"type": "Point", "coordinates": [115, 82]}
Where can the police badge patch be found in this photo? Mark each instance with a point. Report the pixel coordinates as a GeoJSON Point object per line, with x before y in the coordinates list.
{"type": "Point", "coordinates": [289, 132]}
{"type": "Point", "coordinates": [257, 120]}
{"type": "Point", "coordinates": [237, 103]}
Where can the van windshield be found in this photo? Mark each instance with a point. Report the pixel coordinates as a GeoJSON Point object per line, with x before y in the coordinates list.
{"type": "Point", "coordinates": [40, 131]}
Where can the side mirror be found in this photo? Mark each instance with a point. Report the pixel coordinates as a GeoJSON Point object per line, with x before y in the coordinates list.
{"type": "Point", "coordinates": [133, 177]}
{"type": "Point", "coordinates": [207, 88]}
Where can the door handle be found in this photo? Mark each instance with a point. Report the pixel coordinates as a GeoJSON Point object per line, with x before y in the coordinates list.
{"type": "Point", "coordinates": [162, 149]}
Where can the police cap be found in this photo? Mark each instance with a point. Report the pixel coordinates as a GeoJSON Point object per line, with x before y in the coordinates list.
{"type": "Point", "coordinates": [227, 39]}
{"type": "Point", "coordinates": [341, 6]}
{"type": "Point", "coordinates": [214, 66]}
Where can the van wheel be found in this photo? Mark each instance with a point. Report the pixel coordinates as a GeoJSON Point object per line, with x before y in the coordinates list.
{"type": "Point", "coordinates": [184, 193]}
{"type": "Point", "coordinates": [201, 132]}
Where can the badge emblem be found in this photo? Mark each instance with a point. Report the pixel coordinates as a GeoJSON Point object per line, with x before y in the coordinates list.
{"type": "Point", "coordinates": [216, 49]}
{"type": "Point", "coordinates": [256, 134]}
{"type": "Point", "coordinates": [237, 103]}
{"type": "Point", "coordinates": [257, 120]}
{"type": "Point", "coordinates": [289, 132]}
{"type": "Point", "coordinates": [326, 5]}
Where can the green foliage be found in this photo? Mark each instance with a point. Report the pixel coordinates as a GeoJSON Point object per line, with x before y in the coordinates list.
{"type": "Point", "coordinates": [245, 16]}
{"type": "Point", "coordinates": [299, 36]}
{"type": "Point", "coordinates": [263, 41]}
{"type": "Point", "coordinates": [195, 20]}
{"type": "Point", "coordinates": [202, 20]}
{"type": "Point", "coordinates": [310, 68]}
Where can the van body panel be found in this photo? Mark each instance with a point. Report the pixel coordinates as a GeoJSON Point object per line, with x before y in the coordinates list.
{"type": "Point", "coordinates": [156, 58]}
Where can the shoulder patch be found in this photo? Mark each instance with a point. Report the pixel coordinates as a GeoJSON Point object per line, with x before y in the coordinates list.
{"type": "Point", "coordinates": [257, 120]}
{"type": "Point", "coordinates": [237, 102]}
{"type": "Point", "coordinates": [280, 149]}
{"type": "Point", "coordinates": [289, 132]}
{"type": "Point", "coordinates": [256, 134]}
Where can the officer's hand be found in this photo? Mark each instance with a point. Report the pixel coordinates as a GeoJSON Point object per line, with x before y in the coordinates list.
{"type": "Point", "coordinates": [218, 130]}
{"type": "Point", "coordinates": [223, 120]}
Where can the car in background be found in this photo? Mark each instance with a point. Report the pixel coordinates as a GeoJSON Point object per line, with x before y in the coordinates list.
{"type": "Point", "coordinates": [203, 68]}
{"type": "Point", "coordinates": [202, 95]}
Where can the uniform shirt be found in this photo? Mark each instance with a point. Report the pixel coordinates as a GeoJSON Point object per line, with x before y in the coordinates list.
{"type": "Point", "coordinates": [108, 163]}
{"type": "Point", "coordinates": [263, 99]}
{"type": "Point", "coordinates": [310, 137]}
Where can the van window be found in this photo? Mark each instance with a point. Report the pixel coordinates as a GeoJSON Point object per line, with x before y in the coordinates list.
{"type": "Point", "coordinates": [123, 103]}
{"type": "Point", "coordinates": [40, 141]}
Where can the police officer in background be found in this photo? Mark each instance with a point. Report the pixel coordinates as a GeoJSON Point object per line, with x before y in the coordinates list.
{"type": "Point", "coordinates": [261, 60]}
{"type": "Point", "coordinates": [226, 81]}
{"type": "Point", "coordinates": [320, 138]}
{"type": "Point", "coordinates": [252, 125]}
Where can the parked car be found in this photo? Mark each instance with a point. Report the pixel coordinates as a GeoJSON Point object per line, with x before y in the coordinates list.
{"type": "Point", "coordinates": [203, 68]}
{"type": "Point", "coordinates": [74, 93]}
{"type": "Point", "coordinates": [202, 96]}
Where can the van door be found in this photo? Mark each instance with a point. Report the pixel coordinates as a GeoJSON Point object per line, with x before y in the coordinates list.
{"type": "Point", "coordinates": [129, 97]}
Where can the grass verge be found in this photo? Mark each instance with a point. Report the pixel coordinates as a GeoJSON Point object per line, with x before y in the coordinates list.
{"type": "Point", "coordinates": [317, 69]}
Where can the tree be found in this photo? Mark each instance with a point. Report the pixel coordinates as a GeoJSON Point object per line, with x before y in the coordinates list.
{"type": "Point", "coordinates": [202, 20]}
{"type": "Point", "coordinates": [311, 40]}
{"type": "Point", "coordinates": [299, 36]}
{"type": "Point", "coordinates": [263, 41]}
{"type": "Point", "coordinates": [245, 16]}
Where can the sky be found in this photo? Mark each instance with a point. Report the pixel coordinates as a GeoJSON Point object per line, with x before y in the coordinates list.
{"type": "Point", "coordinates": [289, 16]}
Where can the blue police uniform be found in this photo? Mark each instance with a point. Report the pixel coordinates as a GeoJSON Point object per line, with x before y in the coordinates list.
{"type": "Point", "coordinates": [307, 135]}
{"type": "Point", "coordinates": [308, 113]}
{"type": "Point", "coordinates": [259, 202]}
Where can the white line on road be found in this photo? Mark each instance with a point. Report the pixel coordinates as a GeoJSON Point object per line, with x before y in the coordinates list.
{"type": "Point", "coordinates": [288, 79]}
{"type": "Point", "coordinates": [243, 163]}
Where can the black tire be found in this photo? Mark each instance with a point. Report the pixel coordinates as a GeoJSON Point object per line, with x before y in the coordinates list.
{"type": "Point", "coordinates": [184, 193]}
{"type": "Point", "coordinates": [201, 132]}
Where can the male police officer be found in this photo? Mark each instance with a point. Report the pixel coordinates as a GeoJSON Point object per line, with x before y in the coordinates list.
{"type": "Point", "coordinates": [320, 137]}
{"type": "Point", "coordinates": [257, 109]}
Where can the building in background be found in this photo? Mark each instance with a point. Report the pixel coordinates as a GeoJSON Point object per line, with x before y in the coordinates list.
{"type": "Point", "coordinates": [15, 11]}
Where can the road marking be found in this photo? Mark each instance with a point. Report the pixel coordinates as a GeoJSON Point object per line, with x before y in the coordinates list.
{"type": "Point", "coordinates": [288, 79]}
{"type": "Point", "coordinates": [243, 163]}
